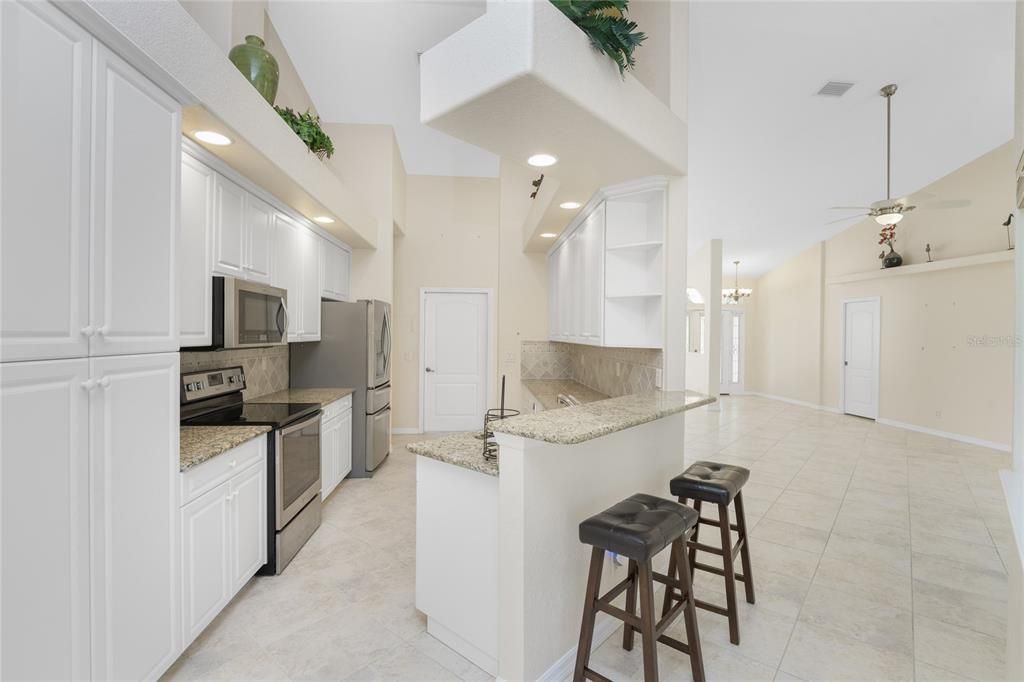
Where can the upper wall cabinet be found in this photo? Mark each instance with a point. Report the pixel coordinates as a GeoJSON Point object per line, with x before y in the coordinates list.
{"type": "Point", "coordinates": [335, 272]}
{"type": "Point", "coordinates": [90, 210]}
{"type": "Point", "coordinates": [606, 275]}
{"type": "Point", "coordinates": [243, 230]}
{"type": "Point", "coordinates": [195, 263]}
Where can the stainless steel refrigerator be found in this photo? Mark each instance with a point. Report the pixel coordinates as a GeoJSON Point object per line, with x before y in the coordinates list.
{"type": "Point", "coordinates": [354, 352]}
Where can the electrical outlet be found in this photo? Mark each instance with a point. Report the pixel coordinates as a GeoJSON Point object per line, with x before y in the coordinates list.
{"type": "Point", "coordinates": [618, 369]}
{"type": "Point", "coordinates": [657, 378]}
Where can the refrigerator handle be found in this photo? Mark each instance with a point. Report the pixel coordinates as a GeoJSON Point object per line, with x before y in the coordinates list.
{"type": "Point", "coordinates": [387, 337]}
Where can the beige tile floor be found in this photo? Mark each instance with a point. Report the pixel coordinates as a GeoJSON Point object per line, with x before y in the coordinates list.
{"type": "Point", "coordinates": [878, 555]}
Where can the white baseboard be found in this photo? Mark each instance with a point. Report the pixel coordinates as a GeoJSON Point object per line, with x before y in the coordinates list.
{"type": "Point", "coordinates": [476, 656]}
{"type": "Point", "coordinates": [971, 440]}
{"type": "Point", "coordinates": [405, 431]}
{"type": "Point", "coordinates": [792, 401]}
{"type": "Point", "coordinates": [564, 667]}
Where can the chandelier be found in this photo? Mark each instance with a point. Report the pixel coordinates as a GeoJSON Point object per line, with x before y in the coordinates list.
{"type": "Point", "coordinates": [735, 295]}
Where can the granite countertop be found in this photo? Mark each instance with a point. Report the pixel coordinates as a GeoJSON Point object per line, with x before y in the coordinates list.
{"type": "Point", "coordinates": [573, 425]}
{"type": "Point", "coordinates": [324, 396]}
{"type": "Point", "coordinates": [546, 391]}
{"type": "Point", "coordinates": [461, 449]}
{"type": "Point", "coordinates": [200, 443]}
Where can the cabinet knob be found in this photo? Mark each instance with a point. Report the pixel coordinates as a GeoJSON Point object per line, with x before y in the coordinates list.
{"type": "Point", "coordinates": [429, 369]}
{"type": "Point", "coordinates": [234, 462]}
{"type": "Point", "coordinates": [101, 331]}
{"type": "Point", "coordinates": [88, 330]}
{"type": "Point", "coordinates": [104, 382]}
{"type": "Point", "coordinates": [89, 384]}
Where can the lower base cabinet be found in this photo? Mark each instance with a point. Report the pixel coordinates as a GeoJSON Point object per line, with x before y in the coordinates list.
{"type": "Point", "coordinates": [223, 531]}
{"type": "Point", "coordinates": [335, 445]}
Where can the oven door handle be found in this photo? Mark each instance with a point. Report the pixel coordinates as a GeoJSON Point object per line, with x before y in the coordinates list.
{"type": "Point", "coordinates": [292, 428]}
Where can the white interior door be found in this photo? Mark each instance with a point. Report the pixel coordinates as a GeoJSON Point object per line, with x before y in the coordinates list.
{"type": "Point", "coordinates": [860, 357]}
{"type": "Point", "coordinates": [731, 381]}
{"type": "Point", "coordinates": [455, 353]}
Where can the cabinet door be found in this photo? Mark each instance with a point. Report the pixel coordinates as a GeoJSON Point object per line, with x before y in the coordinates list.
{"type": "Point", "coordinates": [249, 523]}
{"type": "Point", "coordinates": [45, 124]}
{"type": "Point", "coordinates": [229, 228]}
{"type": "Point", "coordinates": [133, 455]}
{"type": "Point", "coordinates": [311, 245]}
{"type": "Point", "coordinates": [135, 204]}
{"type": "Point", "coordinates": [206, 529]}
{"type": "Point", "coordinates": [44, 512]}
{"type": "Point", "coordinates": [592, 300]}
{"type": "Point", "coordinates": [564, 290]}
{"type": "Point", "coordinates": [195, 297]}
{"type": "Point", "coordinates": [259, 232]}
{"type": "Point", "coordinates": [344, 445]}
{"type": "Point", "coordinates": [288, 253]}
{"type": "Point", "coordinates": [334, 271]}
{"type": "Point", "coordinates": [329, 450]}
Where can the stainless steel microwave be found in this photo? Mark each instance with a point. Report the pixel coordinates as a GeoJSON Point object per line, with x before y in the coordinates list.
{"type": "Point", "coordinates": [248, 314]}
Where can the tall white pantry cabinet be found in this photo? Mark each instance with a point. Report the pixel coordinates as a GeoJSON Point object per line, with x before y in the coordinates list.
{"type": "Point", "coordinates": [90, 154]}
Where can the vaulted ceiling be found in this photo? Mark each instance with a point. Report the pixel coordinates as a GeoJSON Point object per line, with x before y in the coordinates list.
{"type": "Point", "coordinates": [768, 157]}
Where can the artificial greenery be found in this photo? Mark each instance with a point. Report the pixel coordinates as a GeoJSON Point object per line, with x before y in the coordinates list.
{"type": "Point", "coordinates": [606, 24]}
{"type": "Point", "coordinates": [307, 127]}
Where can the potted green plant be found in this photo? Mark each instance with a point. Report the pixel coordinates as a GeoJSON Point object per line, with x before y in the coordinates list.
{"type": "Point", "coordinates": [307, 127]}
{"type": "Point", "coordinates": [606, 24]}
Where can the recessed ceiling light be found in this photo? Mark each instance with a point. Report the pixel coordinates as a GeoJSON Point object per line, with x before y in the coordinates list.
{"type": "Point", "coordinates": [324, 219]}
{"type": "Point", "coordinates": [212, 137]}
{"type": "Point", "coordinates": [542, 160]}
{"type": "Point", "coordinates": [569, 205]}
{"type": "Point", "coordinates": [548, 235]}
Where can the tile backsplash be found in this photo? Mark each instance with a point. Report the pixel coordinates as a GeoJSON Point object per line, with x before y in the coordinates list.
{"type": "Point", "coordinates": [612, 371]}
{"type": "Point", "coordinates": [266, 369]}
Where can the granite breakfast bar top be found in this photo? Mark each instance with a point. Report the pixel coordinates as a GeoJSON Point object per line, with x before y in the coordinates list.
{"type": "Point", "coordinates": [200, 443]}
{"type": "Point", "coordinates": [461, 449]}
{"type": "Point", "coordinates": [324, 396]}
{"type": "Point", "coordinates": [573, 425]}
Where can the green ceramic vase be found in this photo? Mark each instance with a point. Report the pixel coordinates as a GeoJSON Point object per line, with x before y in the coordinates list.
{"type": "Point", "coordinates": [257, 65]}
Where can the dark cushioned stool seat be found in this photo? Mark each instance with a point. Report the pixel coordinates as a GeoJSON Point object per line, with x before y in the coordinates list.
{"type": "Point", "coordinates": [638, 527]}
{"type": "Point", "coordinates": [710, 481]}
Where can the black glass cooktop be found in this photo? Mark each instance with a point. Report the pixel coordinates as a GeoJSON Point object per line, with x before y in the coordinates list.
{"type": "Point", "coordinates": [271, 414]}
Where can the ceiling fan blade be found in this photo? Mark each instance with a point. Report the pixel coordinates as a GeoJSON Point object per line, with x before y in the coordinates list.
{"type": "Point", "coordinates": [849, 217]}
{"type": "Point", "coordinates": [849, 208]}
{"type": "Point", "coordinates": [948, 203]}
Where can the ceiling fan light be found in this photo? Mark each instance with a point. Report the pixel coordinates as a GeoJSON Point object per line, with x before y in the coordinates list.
{"type": "Point", "coordinates": [888, 218]}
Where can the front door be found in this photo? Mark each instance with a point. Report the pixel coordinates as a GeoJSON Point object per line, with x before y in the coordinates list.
{"type": "Point", "coordinates": [455, 353]}
{"type": "Point", "coordinates": [860, 358]}
{"type": "Point", "coordinates": [732, 353]}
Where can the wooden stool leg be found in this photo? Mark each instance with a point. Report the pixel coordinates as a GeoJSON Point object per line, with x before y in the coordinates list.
{"type": "Point", "coordinates": [690, 615]}
{"type": "Point", "coordinates": [650, 644]}
{"type": "Point", "coordinates": [741, 523]}
{"type": "Point", "coordinates": [589, 614]}
{"type": "Point", "coordinates": [730, 574]}
{"type": "Point", "coordinates": [666, 604]}
{"type": "Point", "coordinates": [696, 537]}
{"type": "Point", "coordinates": [627, 630]}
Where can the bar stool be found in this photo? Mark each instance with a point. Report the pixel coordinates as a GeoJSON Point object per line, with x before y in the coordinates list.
{"type": "Point", "coordinates": [638, 528]}
{"type": "Point", "coordinates": [717, 484]}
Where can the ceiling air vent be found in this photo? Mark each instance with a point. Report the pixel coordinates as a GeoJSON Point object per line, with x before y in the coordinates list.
{"type": "Point", "coordinates": [834, 89]}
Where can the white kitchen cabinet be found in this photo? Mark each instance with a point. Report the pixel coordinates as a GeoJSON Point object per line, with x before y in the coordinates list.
{"type": "Point", "coordinates": [205, 559]}
{"type": "Point", "coordinates": [288, 261]}
{"type": "Point", "coordinates": [229, 228]}
{"type": "Point", "coordinates": [335, 271]}
{"type": "Point", "coordinates": [45, 75]}
{"type": "Point", "coordinates": [335, 445]}
{"type": "Point", "coordinates": [310, 289]}
{"type": "Point", "coordinates": [134, 460]}
{"type": "Point", "coordinates": [135, 195]}
{"type": "Point", "coordinates": [224, 531]}
{"type": "Point", "coordinates": [44, 506]}
{"type": "Point", "coordinates": [606, 276]}
{"type": "Point", "coordinates": [195, 295]}
{"type": "Point", "coordinates": [259, 236]}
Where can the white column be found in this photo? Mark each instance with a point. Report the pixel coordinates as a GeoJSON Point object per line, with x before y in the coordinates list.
{"type": "Point", "coordinates": [713, 325]}
{"type": "Point", "coordinates": [674, 353]}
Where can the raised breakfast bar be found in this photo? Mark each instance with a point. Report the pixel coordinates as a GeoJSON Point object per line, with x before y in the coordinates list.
{"type": "Point", "coordinates": [500, 572]}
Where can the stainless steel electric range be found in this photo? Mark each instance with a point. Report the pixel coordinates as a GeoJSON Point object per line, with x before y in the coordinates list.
{"type": "Point", "coordinates": [214, 398]}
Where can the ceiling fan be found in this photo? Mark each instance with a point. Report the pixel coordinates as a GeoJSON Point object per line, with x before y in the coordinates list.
{"type": "Point", "coordinates": [890, 211]}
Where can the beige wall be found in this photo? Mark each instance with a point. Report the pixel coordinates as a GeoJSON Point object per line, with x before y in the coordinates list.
{"type": "Point", "coordinates": [786, 330]}
{"type": "Point", "coordinates": [465, 233]}
{"type": "Point", "coordinates": [933, 374]}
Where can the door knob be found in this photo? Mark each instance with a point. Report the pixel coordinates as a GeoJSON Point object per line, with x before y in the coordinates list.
{"type": "Point", "coordinates": [429, 370]}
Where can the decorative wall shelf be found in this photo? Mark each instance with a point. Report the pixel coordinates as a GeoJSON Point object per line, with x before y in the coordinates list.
{"type": "Point", "coordinates": [922, 268]}
{"type": "Point", "coordinates": [167, 45]}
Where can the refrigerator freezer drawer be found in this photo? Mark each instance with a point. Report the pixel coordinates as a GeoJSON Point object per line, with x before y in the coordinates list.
{"type": "Point", "coordinates": [378, 438]}
{"type": "Point", "coordinates": [378, 398]}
